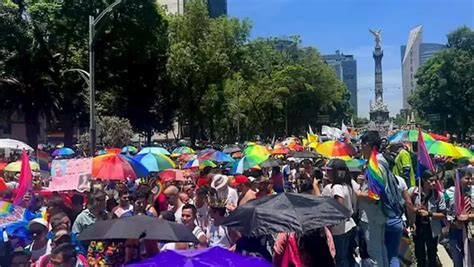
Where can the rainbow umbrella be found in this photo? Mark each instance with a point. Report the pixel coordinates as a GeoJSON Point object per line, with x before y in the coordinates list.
{"type": "Point", "coordinates": [217, 156]}
{"type": "Point", "coordinates": [198, 164]}
{"type": "Point", "coordinates": [409, 136]}
{"type": "Point", "coordinates": [129, 149]}
{"type": "Point", "coordinates": [183, 150]}
{"type": "Point", "coordinates": [280, 149]}
{"type": "Point", "coordinates": [155, 162]}
{"type": "Point", "coordinates": [355, 163]}
{"type": "Point", "coordinates": [154, 150]}
{"type": "Point", "coordinates": [117, 167]}
{"type": "Point", "coordinates": [332, 149]}
{"type": "Point", "coordinates": [258, 152]}
{"type": "Point", "coordinates": [295, 147]}
{"type": "Point", "coordinates": [65, 151]}
{"type": "Point", "coordinates": [442, 148]}
{"type": "Point", "coordinates": [16, 166]}
{"type": "Point", "coordinates": [464, 152]}
{"type": "Point", "coordinates": [246, 163]}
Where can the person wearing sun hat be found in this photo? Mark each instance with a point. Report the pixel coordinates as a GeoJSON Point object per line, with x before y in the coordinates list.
{"type": "Point", "coordinates": [224, 191]}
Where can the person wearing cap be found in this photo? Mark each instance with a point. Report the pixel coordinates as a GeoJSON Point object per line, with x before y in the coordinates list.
{"type": "Point", "coordinates": [224, 191]}
{"type": "Point", "coordinates": [244, 187]}
{"type": "Point", "coordinates": [341, 190]}
{"type": "Point", "coordinates": [40, 246]}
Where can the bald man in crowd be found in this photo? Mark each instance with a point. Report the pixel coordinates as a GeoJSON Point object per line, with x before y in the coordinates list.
{"type": "Point", "coordinates": [172, 196]}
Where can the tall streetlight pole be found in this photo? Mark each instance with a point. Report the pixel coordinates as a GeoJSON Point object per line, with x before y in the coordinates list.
{"type": "Point", "coordinates": [93, 22]}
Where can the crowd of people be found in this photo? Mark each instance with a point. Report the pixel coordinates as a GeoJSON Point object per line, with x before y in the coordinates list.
{"type": "Point", "coordinates": [420, 208]}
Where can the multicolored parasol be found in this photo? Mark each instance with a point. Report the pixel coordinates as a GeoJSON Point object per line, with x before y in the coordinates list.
{"type": "Point", "coordinates": [217, 156]}
{"type": "Point", "coordinates": [154, 150]}
{"type": "Point", "coordinates": [183, 150]}
{"type": "Point", "coordinates": [442, 148]}
{"type": "Point", "coordinates": [155, 162]}
{"type": "Point", "coordinates": [409, 136]}
{"type": "Point", "coordinates": [16, 166]}
{"type": "Point", "coordinates": [199, 164]}
{"type": "Point", "coordinates": [332, 149]}
{"type": "Point", "coordinates": [280, 149]}
{"type": "Point", "coordinates": [117, 167]}
{"type": "Point", "coordinates": [246, 163]}
{"type": "Point", "coordinates": [258, 152]}
{"type": "Point", "coordinates": [129, 149]}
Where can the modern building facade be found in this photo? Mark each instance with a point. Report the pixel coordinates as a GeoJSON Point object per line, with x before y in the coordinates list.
{"type": "Point", "coordinates": [345, 67]}
{"type": "Point", "coordinates": [215, 8]}
{"type": "Point", "coordinates": [414, 55]}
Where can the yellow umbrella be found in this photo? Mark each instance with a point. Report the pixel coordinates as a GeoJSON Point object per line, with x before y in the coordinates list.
{"type": "Point", "coordinates": [16, 166]}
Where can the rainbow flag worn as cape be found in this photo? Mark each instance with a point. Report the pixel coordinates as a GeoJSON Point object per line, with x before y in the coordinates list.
{"type": "Point", "coordinates": [374, 177]}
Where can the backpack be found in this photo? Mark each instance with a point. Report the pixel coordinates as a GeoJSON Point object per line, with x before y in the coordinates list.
{"type": "Point", "coordinates": [393, 204]}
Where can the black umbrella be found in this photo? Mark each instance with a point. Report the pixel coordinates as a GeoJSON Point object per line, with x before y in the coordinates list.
{"type": "Point", "coordinates": [305, 155]}
{"type": "Point", "coordinates": [286, 212]}
{"type": "Point", "coordinates": [135, 227]}
{"type": "Point", "coordinates": [229, 149]}
{"type": "Point", "coordinates": [271, 162]}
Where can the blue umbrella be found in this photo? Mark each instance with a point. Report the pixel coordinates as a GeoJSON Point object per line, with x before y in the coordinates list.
{"type": "Point", "coordinates": [154, 150]}
{"type": "Point", "coordinates": [65, 151]}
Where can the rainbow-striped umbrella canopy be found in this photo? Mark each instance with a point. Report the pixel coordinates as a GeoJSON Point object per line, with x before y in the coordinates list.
{"type": "Point", "coordinates": [117, 167]}
{"type": "Point", "coordinates": [409, 136]}
{"type": "Point", "coordinates": [332, 149]}
{"type": "Point", "coordinates": [155, 162]}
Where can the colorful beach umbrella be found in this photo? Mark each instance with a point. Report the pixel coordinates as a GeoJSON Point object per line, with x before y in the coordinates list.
{"type": "Point", "coordinates": [355, 163]}
{"type": "Point", "coordinates": [442, 148]}
{"type": "Point", "coordinates": [409, 136]}
{"type": "Point", "coordinates": [117, 167]}
{"type": "Point", "coordinates": [295, 147]}
{"type": "Point", "coordinates": [16, 166]}
{"type": "Point", "coordinates": [155, 162]}
{"type": "Point", "coordinates": [217, 156]}
{"type": "Point", "coordinates": [246, 163]}
{"type": "Point", "coordinates": [257, 152]}
{"type": "Point", "coordinates": [65, 151]}
{"type": "Point", "coordinates": [183, 150]}
{"type": "Point", "coordinates": [172, 175]}
{"type": "Point", "coordinates": [332, 149]}
{"type": "Point", "coordinates": [154, 150]}
{"type": "Point", "coordinates": [199, 164]}
{"type": "Point", "coordinates": [129, 149]}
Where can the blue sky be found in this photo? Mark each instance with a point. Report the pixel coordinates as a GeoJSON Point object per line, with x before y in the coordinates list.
{"type": "Point", "coordinates": [343, 25]}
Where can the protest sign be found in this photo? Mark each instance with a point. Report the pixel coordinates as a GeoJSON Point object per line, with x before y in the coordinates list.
{"type": "Point", "coordinates": [71, 174]}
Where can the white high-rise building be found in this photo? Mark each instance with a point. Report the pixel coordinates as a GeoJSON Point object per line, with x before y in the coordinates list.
{"type": "Point", "coordinates": [414, 55]}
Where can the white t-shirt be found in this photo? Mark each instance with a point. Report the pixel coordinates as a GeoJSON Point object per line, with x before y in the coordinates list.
{"type": "Point", "coordinates": [348, 194]}
{"type": "Point", "coordinates": [218, 236]}
{"type": "Point", "coordinates": [232, 197]}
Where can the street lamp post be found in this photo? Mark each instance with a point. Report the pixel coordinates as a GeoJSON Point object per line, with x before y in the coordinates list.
{"type": "Point", "coordinates": [93, 22]}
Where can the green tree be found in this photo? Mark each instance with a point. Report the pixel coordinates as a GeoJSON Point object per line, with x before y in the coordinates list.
{"type": "Point", "coordinates": [445, 84]}
{"type": "Point", "coordinates": [203, 52]}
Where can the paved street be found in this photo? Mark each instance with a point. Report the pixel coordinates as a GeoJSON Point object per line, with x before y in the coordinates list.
{"type": "Point", "coordinates": [444, 257]}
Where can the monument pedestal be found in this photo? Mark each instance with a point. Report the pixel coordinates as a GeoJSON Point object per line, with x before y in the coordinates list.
{"type": "Point", "coordinates": [379, 116]}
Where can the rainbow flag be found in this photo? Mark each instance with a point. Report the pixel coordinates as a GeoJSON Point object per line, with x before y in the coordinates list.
{"type": "Point", "coordinates": [43, 160]}
{"type": "Point", "coordinates": [5, 208]}
{"type": "Point", "coordinates": [374, 177]}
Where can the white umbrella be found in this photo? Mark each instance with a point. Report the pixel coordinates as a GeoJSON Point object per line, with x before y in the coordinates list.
{"type": "Point", "coordinates": [14, 144]}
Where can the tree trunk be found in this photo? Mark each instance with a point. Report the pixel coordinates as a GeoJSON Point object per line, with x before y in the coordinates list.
{"type": "Point", "coordinates": [68, 129]}
{"type": "Point", "coordinates": [32, 126]}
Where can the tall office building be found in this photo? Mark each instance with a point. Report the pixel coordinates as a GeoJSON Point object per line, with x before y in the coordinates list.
{"type": "Point", "coordinates": [215, 8]}
{"type": "Point", "coordinates": [414, 55]}
{"type": "Point", "coordinates": [345, 67]}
